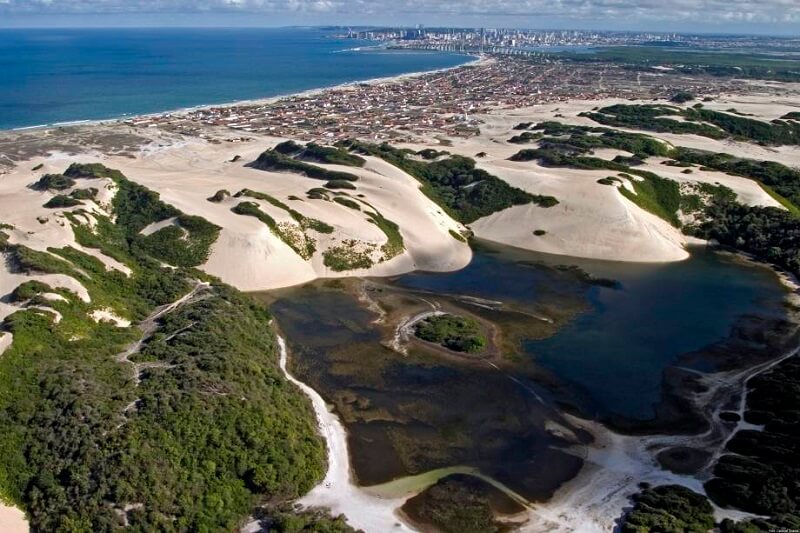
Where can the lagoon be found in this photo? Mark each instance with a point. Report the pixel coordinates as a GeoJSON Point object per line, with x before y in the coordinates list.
{"type": "Point", "coordinates": [614, 354]}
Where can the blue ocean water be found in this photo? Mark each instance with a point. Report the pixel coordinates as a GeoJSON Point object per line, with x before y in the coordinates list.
{"type": "Point", "coordinates": [58, 75]}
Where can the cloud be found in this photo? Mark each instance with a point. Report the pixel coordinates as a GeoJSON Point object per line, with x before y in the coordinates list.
{"type": "Point", "coordinates": [675, 11]}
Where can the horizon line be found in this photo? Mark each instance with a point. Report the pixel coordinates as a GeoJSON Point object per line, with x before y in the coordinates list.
{"type": "Point", "coordinates": [387, 27]}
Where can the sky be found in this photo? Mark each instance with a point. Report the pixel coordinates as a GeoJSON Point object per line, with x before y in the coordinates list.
{"type": "Point", "coordinates": [708, 16]}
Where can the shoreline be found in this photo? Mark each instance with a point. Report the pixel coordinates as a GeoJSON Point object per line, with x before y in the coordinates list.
{"type": "Point", "coordinates": [476, 60]}
{"type": "Point", "coordinates": [617, 461]}
{"type": "Point", "coordinates": [337, 491]}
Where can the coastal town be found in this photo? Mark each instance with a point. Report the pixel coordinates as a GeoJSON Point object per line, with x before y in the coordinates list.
{"type": "Point", "coordinates": [442, 103]}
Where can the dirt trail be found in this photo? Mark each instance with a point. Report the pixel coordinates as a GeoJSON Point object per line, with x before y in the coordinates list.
{"type": "Point", "coordinates": [149, 326]}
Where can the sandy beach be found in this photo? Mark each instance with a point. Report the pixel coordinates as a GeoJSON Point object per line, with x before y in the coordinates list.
{"type": "Point", "coordinates": [337, 491]}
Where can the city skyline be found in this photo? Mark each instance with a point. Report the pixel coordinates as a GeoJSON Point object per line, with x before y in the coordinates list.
{"type": "Point", "coordinates": [771, 17]}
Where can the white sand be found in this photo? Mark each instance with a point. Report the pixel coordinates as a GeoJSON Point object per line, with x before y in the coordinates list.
{"type": "Point", "coordinates": [12, 520]}
{"type": "Point", "coordinates": [591, 220]}
{"type": "Point", "coordinates": [156, 226]}
{"type": "Point", "coordinates": [6, 338]}
{"type": "Point", "coordinates": [107, 315]}
{"type": "Point", "coordinates": [10, 281]}
{"type": "Point", "coordinates": [594, 220]}
{"type": "Point", "coordinates": [249, 256]}
{"type": "Point", "coordinates": [337, 491]}
{"type": "Point", "coordinates": [40, 228]}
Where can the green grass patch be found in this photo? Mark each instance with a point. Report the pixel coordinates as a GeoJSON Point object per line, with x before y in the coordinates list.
{"type": "Point", "coordinates": [660, 196]}
{"type": "Point", "coordinates": [394, 245]}
{"type": "Point", "coordinates": [275, 161]}
{"type": "Point", "coordinates": [347, 202]}
{"type": "Point", "coordinates": [457, 236]}
{"type": "Point", "coordinates": [298, 241]}
{"type": "Point", "coordinates": [465, 192]}
{"type": "Point", "coordinates": [785, 202]}
{"type": "Point", "coordinates": [61, 201]}
{"type": "Point", "coordinates": [340, 184]}
{"type": "Point", "coordinates": [350, 255]}
{"type": "Point", "coordinates": [457, 333]}
{"type": "Point", "coordinates": [57, 182]}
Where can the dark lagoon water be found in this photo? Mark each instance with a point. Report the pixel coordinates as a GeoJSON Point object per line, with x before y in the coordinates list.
{"type": "Point", "coordinates": [615, 353]}
{"type": "Point", "coordinates": [59, 75]}
{"type": "Point", "coordinates": [605, 352]}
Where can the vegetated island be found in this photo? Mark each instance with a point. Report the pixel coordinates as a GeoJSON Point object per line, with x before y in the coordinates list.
{"type": "Point", "coordinates": [456, 333]}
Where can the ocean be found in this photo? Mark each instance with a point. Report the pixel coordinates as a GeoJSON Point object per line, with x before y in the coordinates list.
{"type": "Point", "coordinates": [53, 76]}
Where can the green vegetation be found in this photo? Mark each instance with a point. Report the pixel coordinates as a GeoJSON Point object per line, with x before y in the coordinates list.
{"type": "Point", "coordinates": [350, 255]}
{"type": "Point", "coordinates": [760, 473]}
{"type": "Point", "coordinates": [315, 153]}
{"type": "Point", "coordinates": [84, 194]}
{"type": "Point", "coordinates": [210, 430]}
{"type": "Point", "coordinates": [38, 167]}
{"type": "Point", "coordinates": [275, 161]}
{"type": "Point", "coordinates": [652, 118]}
{"type": "Point", "coordinates": [394, 245]}
{"type": "Point", "coordinates": [305, 222]}
{"type": "Point", "coordinates": [287, 520]}
{"type": "Point", "coordinates": [660, 196]}
{"type": "Point", "coordinates": [295, 238]}
{"type": "Point", "coordinates": [457, 333]}
{"type": "Point", "coordinates": [769, 233]}
{"type": "Point", "coordinates": [57, 182]}
{"type": "Point", "coordinates": [792, 115]}
{"type": "Point", "coordinates": [219, 196]}
{"type": "Point", "coordinates": [458, 504]}
{"type": "Point", "coordinates": [696, 196]}
{"type": "Point", "coordinates": [317, 193]}
{"type": "Point", "coordinates": [525, 137]}
{"type": "Point", "coordinates": [669, 509]}
{"type": "Point", "coordinates": [60, 201]}
{"type": "Point", "coordinates": [580, 140]}
{"type": "Point", "coordinates": [457, 236]}
{"type": "Point", "coordinates": [785, 202]}
{"type": "Point", "coordinates": [558, 158]}
{"type": "Point", "coordinates": [340, 184]}
{"type": "Point", "coordinates": [347, 202]}
{"type": "Point", "coordinates": [25, 259]}
{"type": "Point", "coordinates": [780, 179]}
{"type": "Point", "coordinates": [465, 192]}
{"type": "Point", "coordinates": [731, 64]}
{"type": "Point", "coordinates": [699, 121]}
{"type": "Point", "coordinates": [29, 290]}
{"type": "Point", "coordinates": [610, 180]}
{"type": "Point", "coordinates": [186, 243]}
{"type": "Point", "coordinates": [539, 232]}
{"type": "Point", "coordinates": [681, 97]}
{"type": "Point", "coordinates": [431, 154]}
{"type": "Point", "coordinates": [655, 194]}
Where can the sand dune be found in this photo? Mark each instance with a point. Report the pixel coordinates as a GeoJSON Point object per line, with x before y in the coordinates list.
{"type": "Point", "coordinates": [594, 220]}
{"type": "Point", "coordinates": [12, 520]}
{"type": "Point", "coordinates": [249, 256]}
